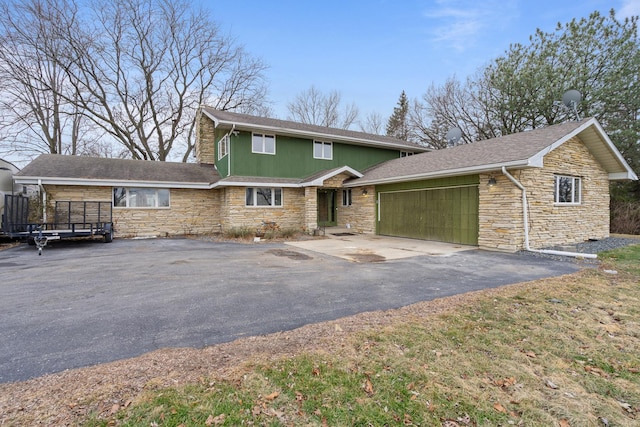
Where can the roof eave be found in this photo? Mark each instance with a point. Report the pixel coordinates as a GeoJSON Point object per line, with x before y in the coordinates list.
{"type": "Point", "coordinates": [318, 182]}
{"type": "Point", "coordinates": [447, 173]}
{"type": "Point", "coordinates": [623, 176]}
{"type": "Point", "coordinates": [34, 180]}
{"type": "Point", "coordinates": [221, 184]}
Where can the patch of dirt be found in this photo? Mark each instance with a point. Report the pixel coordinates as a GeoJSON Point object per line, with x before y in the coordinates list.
{"type": "Point", "coordinates": [366, 256]}
{"type": "Point", "coordinates": [67, 397]}
{"type": "Point", "coordinates": [7, 244]}
{"type": "Point", "coordinates": [289, 254]}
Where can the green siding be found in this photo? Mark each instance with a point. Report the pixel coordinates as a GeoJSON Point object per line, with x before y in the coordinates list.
{"type": "Point", "coordinates": [424, 211]}
{"type": "Point", "coordinates": [294, 157]}
{"type": "Point", "coordinates": [223, 164]}
{"type": "Point", "coordinates": [430, 183]}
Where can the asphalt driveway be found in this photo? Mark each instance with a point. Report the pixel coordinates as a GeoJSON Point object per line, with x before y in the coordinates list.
{"type": "Point", "coordinates": [84, 303]}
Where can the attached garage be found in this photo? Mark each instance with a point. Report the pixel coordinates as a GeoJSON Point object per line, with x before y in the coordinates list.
{"type": "Point", "coordinates": [445, 210]}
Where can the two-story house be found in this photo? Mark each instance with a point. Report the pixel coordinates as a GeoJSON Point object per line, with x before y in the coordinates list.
{"type": "Point", "coordinates": [291, 173]}
{"type": "Point", "coordinates": [535, 189]}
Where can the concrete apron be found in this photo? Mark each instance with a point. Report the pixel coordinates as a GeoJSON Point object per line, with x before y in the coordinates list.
{"type": "Point", "coordinates": [343, 243]}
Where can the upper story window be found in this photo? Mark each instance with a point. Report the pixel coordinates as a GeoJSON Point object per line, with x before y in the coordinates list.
{"type": "Point", "coordinates": [406, 153]}
{"type": "Point", "coordinates": [263, 144]}
{"type": "Point", "coordinates": [567, 190]}
{"type": "Point", "coordinates": [263, 196]}
{"type": "Point", "coordinates": [223, 147]}
{"type": "Point", "coordinates": [322, 150]}
{"type": "Point", "coordinates": [124, 197]}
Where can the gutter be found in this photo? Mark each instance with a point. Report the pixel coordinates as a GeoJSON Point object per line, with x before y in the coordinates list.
{"type": "Point", "coordinates": [525, 215]}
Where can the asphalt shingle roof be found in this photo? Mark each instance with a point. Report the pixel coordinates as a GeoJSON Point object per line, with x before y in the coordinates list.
{"type": "Point", "coordinates": [248, 121]}
{"type": "Point", "coordinates": [93, 168]}
{"type": "Point", "coordinates": [515, 148]}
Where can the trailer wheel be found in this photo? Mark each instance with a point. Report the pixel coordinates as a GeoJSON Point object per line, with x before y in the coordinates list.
{"type": "Point", "coordinates": [108, 233]}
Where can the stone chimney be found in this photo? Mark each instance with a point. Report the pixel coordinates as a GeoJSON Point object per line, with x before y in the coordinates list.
{"type": "Point", "coordinates": [205, 139]}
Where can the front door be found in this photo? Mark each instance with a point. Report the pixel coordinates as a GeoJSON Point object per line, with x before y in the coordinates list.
{"type": "Point", "coordinates": [327, 208]}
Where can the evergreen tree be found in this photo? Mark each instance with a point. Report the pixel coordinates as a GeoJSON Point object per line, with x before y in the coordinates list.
{"type": "Point", "coordinates": [398, 124]}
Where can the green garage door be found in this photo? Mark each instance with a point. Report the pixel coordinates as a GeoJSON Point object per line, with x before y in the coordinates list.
{"type": "Point", "coordinates": [442, 214]}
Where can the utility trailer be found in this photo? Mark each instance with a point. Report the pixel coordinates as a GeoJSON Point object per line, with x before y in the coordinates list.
{"type": "Point", "coordinates": [72, 219]}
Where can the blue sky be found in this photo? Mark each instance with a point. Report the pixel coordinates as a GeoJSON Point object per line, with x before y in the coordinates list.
{"type": "Point", "coordinates": [372, 50]}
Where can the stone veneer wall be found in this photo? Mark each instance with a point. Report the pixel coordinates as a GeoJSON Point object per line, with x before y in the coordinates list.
{"type": "Point", "coordinates": [290, 215]}
{"type": "Point", "coordinates": [191, 211]}
{"type": "Point", "coordinates": [500, 216]}
{"type": "Point", "coordinates": [361, 215]}
{"type": "Point", "coordinates": [205, 140]}
{"type": "Point", "coordinates": [310, 209]}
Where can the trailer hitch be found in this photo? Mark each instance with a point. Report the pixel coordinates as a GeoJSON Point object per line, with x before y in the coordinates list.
{"type": "Point", "coordinates": [40, 241]}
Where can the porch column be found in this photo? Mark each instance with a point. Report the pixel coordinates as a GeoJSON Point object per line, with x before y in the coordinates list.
{"type": "Point", "coordinates": [310, 209]}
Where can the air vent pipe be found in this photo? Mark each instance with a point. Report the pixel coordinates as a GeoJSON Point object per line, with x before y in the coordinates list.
{"type": "Point", "coordinates": [525, 216]}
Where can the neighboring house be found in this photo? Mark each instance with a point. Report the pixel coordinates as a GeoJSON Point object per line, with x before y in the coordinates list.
{"type": "Point", "coordinates": [7, 186]}
{"type": "Point", "coordinates": [547, 186]}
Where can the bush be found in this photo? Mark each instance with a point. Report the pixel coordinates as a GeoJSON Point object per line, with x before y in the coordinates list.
{"type": "Point", "coordinates": [239, 232]}
{"type": "Point", "coordinates": [625, 217]}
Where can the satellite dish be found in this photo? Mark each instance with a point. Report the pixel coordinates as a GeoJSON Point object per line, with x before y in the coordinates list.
{"type": "Point", "coordinates": [571, 99]}
{"type": "Point", "coordinates": [453, 136]}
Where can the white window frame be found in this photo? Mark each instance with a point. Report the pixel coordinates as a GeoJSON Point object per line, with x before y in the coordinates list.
{"type": "Point", "coordinates": [347, 199]}
{"type": "Point", "coordinates": [223, 146]}
{"type": "Point", "coordinates": [575, 183]}
{"type": "Point", "coordinates": [406, 153]}
{"type": "Point", "coordinates": [129, 196]}
{"type": "Point", "coordinates": [263, 143]}
{"type": "Point", "coordinates": [251, 197]}
{"type": "Point", "coordinates": [323, 145]}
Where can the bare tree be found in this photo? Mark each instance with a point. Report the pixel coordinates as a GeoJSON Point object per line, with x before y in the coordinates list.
{"type": "Point", "coordinates": [136, 70]}
{"type": "Point", "coordinates": [373, 123]}
{"type": "Point", "coordinates": [145, 66]}
{"type": "Point", "coordinates": [37, 116]}
{"type": "Point", "coordinates": [452, 105]}
{"type": "Point", "coordinates": [315, 108]}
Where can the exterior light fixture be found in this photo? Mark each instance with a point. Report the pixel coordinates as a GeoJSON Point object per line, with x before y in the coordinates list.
{"type": "Point", "coordinates": [492, 181]}
{"type": "Point", "coordinates": [364, 192]}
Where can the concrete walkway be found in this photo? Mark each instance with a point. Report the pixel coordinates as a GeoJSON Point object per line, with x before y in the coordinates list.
{"type": "Point", "coordinates": [346, 244]}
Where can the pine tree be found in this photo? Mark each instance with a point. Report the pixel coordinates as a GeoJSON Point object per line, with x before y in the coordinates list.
{"type": "Point", "coordinates": [398, 126]}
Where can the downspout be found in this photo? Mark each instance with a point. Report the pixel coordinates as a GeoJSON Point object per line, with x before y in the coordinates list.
{"type": "Point", "coordinates": [233, 128]}
{"type": "Point", "coordinates": [525, 216]}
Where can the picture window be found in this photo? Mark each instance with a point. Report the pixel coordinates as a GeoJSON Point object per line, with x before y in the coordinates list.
{"type": "Point", "coordinates": [263, 197]}
{"type": "Point", "coordinates": [124, 197]}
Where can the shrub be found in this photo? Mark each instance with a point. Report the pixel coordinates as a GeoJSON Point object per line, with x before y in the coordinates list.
{"type": "Point", "coordinates": [239, 232]}
{"type": "Point", "coordinates": [625, 217]}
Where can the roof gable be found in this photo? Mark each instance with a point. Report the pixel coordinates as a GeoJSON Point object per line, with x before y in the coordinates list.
{"type": "Point", "coordinates": [519, 150]}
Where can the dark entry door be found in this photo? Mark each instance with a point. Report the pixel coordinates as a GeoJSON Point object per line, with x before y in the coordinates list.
{"type": "Point", "coordinates": [327, 208]}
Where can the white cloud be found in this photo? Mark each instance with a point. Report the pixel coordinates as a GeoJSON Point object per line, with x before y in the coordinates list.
{"type": "Point", "coordinates": [629, 8]}
{"type": "Point", "coordinates": [458, 24]}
